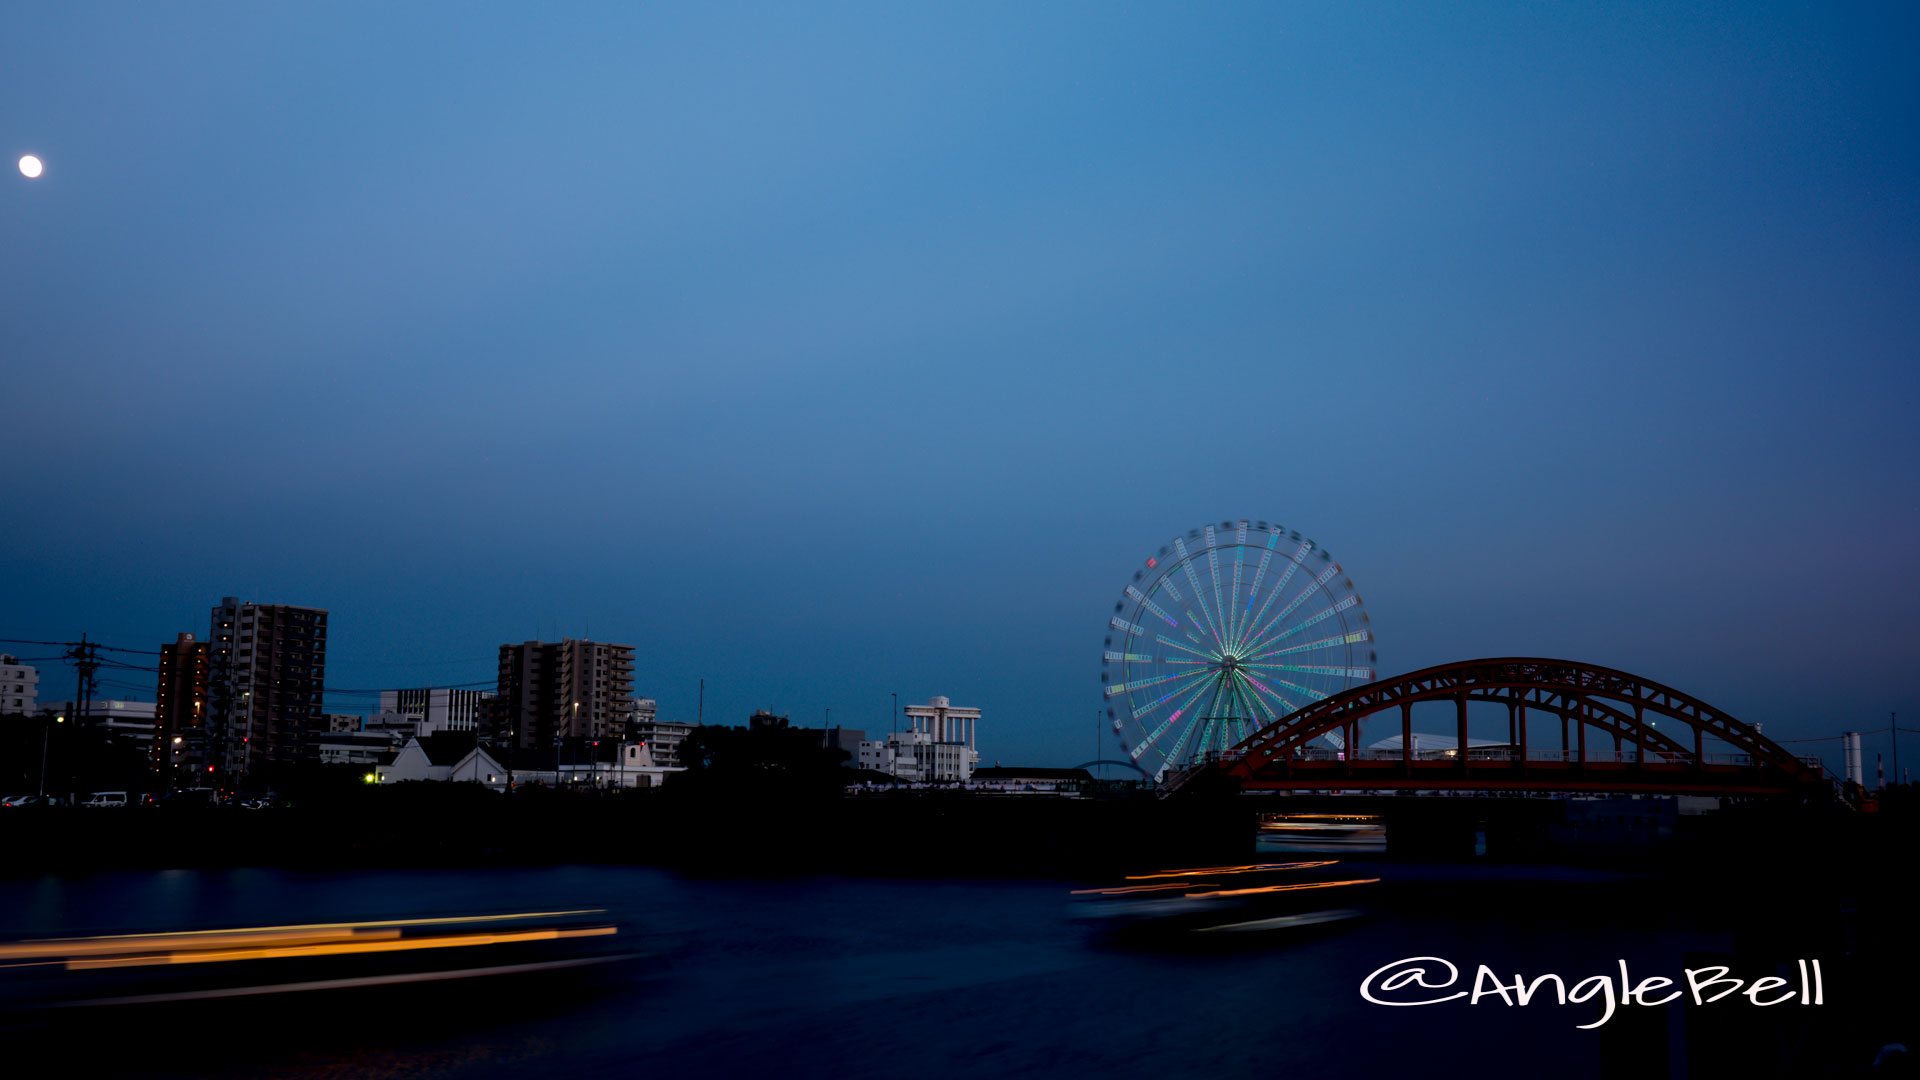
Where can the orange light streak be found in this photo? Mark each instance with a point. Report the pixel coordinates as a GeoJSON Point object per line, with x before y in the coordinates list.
{"type": "Point", "coordinates": [340, 948]}
{"type": "Point", "coordinates": [1120, 889]}
{"type": "Point", "coordinates": [1233, 869]}
{"type": "Point", "coordinates": [1287, 888]}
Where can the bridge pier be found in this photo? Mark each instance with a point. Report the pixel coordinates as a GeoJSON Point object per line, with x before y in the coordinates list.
{"type": "Point", "coordinates": [1460, 721]}
{"type": "Point", "coordinates": [1406, 738]}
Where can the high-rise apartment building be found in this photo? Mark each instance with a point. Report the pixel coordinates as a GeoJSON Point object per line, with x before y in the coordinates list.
{"type": "Point", "coordinates": [19, 686]}
{"type": "Point", "coordinates": [567, 689]}
{"type": "Point", "coordinates": [267, 665]}
{"type": "Point", "coordinates": [180, 709]}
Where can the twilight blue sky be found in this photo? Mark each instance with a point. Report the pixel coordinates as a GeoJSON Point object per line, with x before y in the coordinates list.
{"type": "Point", "coordinates": [830, 350]}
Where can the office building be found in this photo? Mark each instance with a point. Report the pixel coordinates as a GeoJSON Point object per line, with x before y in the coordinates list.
{"type": "Point", "coordinates": [938, 746]}
{"type": "Point", "coordinates": [267, 665]}
{"type": "Point", "coordinates": [129, 723]}
{"type": "Point", "coordinates": [432, 710]}
{"type": "Point", "coordinates": [180, 709]}
{"type": "Point", "coordinates": [19, 686]}
{"type": "Point", "coordinates": [945, 722]}
{"type": "Point", "coordinates": [571, 689]}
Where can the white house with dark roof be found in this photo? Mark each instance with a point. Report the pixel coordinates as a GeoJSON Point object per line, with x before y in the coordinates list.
{"type": "Point", "coordinates": [431, 757]}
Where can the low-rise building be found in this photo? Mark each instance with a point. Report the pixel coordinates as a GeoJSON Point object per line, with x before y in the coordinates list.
{"type": "Point", "coordinates": [430, 757]}
{"type": "Point", "coordinates": [353, 748]}
{"type": "Point", "coordinates": [606, 765]}
{"type": "Point", "coordinates": [1028, 780]}
{"type": "Point", "coordinates": [132, 722]}
{"type": "Point", "coordinates": [915, 756]}
{"type": "Point", "coordinates": [437, 708]}
{"type": "Point", "coordinates": [19, 686]}
{"type": "Point", "coordinates": [662, 737]}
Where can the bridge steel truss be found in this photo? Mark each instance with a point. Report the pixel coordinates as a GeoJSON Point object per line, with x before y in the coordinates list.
{"type": "Point", "coordinates": [1625, 708]}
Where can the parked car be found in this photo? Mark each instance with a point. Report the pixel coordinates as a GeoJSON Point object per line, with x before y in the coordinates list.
{"type": "Point", "coordinates": [108, 798]}
{"type": "Point", "coordinates": [14, 800]}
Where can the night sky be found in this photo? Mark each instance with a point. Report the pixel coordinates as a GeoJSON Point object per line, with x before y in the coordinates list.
{"type": "Point", "coordinates": [826, 351]}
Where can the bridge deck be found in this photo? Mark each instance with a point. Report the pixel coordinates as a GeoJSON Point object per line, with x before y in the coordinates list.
{"type": "Point", "coordinates": [1661, 777]}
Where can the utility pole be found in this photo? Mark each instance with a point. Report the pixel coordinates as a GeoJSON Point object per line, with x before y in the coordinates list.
{"type": "Point", "coordinates": [700, 717]}
{"type": "Point", "coordinates": [1893, 728]}
{"type": "Point", "coordinates": [86, 661]}
{"type": "Point", "coordinates": [45, 731]}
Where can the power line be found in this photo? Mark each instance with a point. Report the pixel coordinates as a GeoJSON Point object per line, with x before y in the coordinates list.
{"type": "Point", "coordinates": [75, 644]}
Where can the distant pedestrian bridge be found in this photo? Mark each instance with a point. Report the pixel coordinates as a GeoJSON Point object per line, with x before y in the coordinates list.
{"type": "Point", "coordinates": [1567, 727]}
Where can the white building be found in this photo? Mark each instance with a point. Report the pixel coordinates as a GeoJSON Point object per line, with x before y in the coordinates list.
{"type": "Point", "coordinates": [434, 709]}
{"type": "Point", "coordinates": [946, 722]}
{"type": "Point", "coordinates": [19, 686]}
{"type": "Point", "coordinates": [352, 748]}
{"type": "Point", "coordinates": [627, 766]}
{"type": "Point", "coordinates": [123, 721]}
{"type": "Point", "coordinates": [938, 746]}
{"type": "Point", "coordinates": [663, 737]}
{"type": "Point", "coordinates": [430, 758]}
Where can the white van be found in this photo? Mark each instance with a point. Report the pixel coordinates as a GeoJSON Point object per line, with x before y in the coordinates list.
{"type": "Point", "coordinates": [107, 798]}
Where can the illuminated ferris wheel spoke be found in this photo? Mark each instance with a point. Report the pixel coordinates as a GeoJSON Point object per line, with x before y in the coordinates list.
{"type": "Point", "coordinates": [1277, 696]}
{"type": "Point", "coordinates": [1353, 638]}
{"type": "Point", "coordinates": [1180, 743]}
{"type": "Point", "coordinates": [1206, 721]}
{"type": "Point", "coordinates": [1233, 609]}
{"type": "Point", "coordinates": [1266, 556]}
{"type": "Point", "coordinates": [1363, 674]}
{"type": "Point", "coordinates": [1171, 720]}
{"type": "Point", "coordinates": [1142, 684]}
{"type": "Point", "coordinates": [1293, 605]}
{"type": "Point", "coordinates": [1141, 598]}
{"type": "Point", "coordinates": [1153, 706]}
{"type": "Point", "coordinates": [1306, 691]}
{"type": "Point", "coordinates": [1322, 616]}
{"type": "Point", "coordinates": [1263, 713]}
{"type": "Point", "coordinates": [1280, 584]}
{"type": "Point", "coordinates": [1244, 719]}
{"type": "Point", "coordinates": [1193, 579]}
{"type": "Point", "coordinates": [1205, 657]}
{"type": "Point", "coordinates": [1213, 568]}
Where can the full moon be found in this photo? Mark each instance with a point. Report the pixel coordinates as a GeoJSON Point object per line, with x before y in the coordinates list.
{"type": "Point", "coordinates": [30, 166]}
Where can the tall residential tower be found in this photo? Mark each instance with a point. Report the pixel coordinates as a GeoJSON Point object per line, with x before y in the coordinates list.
{"type": "Point", "coordinates": [267, 665]}
{"type": "Point", "coordinates": [567, 689]}
{"type": "Point", "coordinates": [180, 712]}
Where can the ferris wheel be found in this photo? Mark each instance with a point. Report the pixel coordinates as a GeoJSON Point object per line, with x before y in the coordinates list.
{"type": "Point", "coordinates": [1226, 630]}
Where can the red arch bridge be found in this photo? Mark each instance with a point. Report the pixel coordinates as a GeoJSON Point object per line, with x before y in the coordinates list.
{"type": "Point", "coordinates": [1615, 732]}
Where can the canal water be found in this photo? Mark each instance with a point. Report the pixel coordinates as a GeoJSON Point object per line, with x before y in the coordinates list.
{"type": "Point", "coordinates": [856, 977]}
